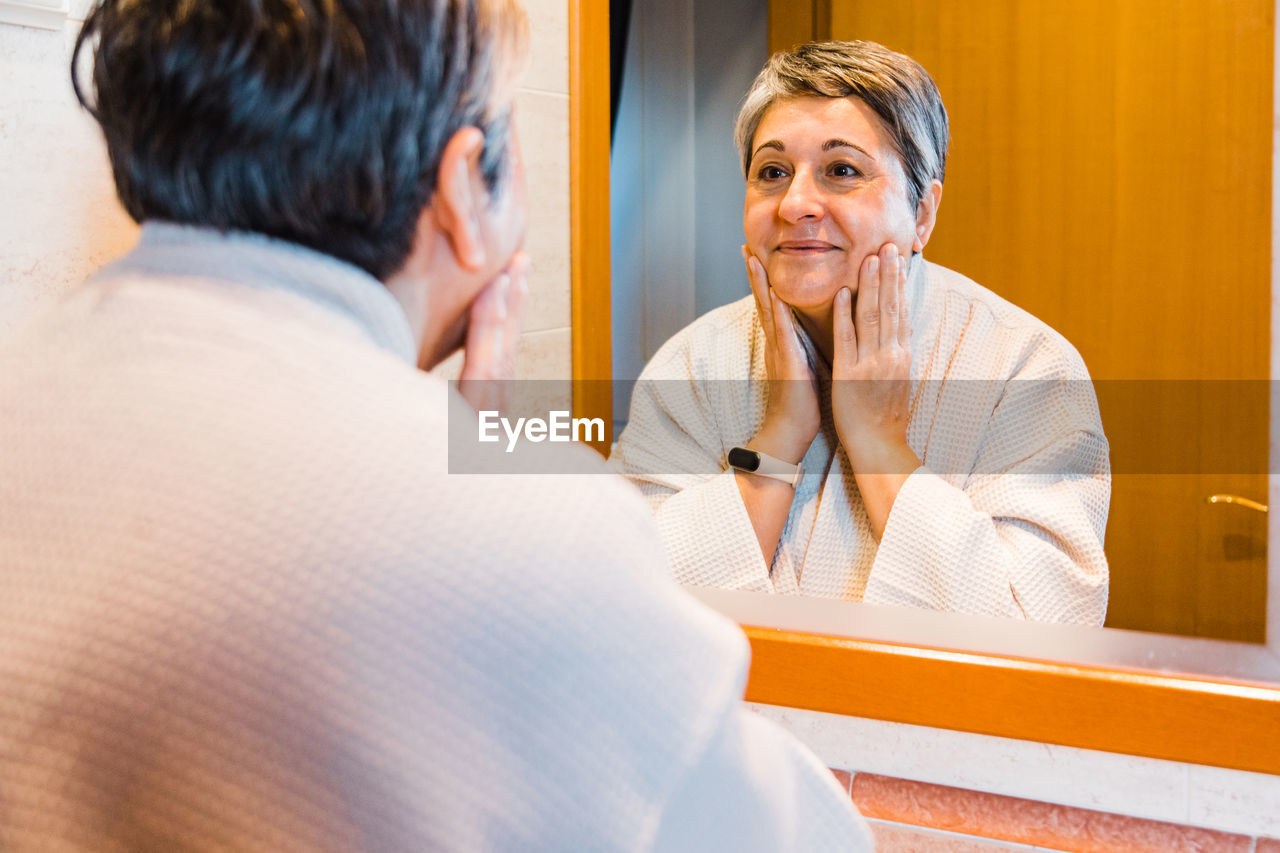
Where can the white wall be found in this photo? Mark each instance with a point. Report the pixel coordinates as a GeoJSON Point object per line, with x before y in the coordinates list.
{"type": "Point", "coordinates": [676, 186]}
{"type": "Point", "coordinates": [59, 217]}
{"type": "Point", "coordinates": [651, 186]}
{"type": "Point", "coordinates": [731, 43]}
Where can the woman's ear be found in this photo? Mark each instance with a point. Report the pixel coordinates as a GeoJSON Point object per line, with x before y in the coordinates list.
{"type": "Point", "coordinates": [460, 200]}
{"type": "Point", "coordinates": [927, 215]}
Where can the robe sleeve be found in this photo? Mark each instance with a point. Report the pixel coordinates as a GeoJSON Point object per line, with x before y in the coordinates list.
{"type": "Point", "coordinates": [673, 450]}
{"type": "Point", "coordinates": [752, 790]}
{"type": "Point", "coordinates": [1021, 534]}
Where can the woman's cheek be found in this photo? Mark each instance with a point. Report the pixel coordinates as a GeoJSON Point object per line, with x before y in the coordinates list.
{"type": "Point", "coordinates": [755, 236]}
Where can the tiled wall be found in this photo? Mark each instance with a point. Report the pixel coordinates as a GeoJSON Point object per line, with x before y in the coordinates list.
{"type": "Point", "coordinates": [60, 219]}
{"type": "Point", "coordinates": [925, 790]}
{"type": "Point", "coordinates": [542, 120]}
{"type": "Point", "coordinates": [910, 816]}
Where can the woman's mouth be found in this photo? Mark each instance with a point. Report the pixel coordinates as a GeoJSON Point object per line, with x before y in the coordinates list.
{"type": "Point", "coordinates": [805, 247]}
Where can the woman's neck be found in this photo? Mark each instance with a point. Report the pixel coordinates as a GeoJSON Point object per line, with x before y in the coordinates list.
{"type": "Point", "coordinates": [820, 326]}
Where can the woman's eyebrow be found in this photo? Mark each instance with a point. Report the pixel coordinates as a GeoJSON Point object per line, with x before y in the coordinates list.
{"type": "Point", "coordinates": [772, 143]}
{"type": "Point", "coordinates": [826, 146]}
{"type": "Point", "coordinates": [840, 143]}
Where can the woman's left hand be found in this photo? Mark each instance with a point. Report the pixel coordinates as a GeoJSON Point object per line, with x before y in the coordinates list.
{"type": "Point", "coordinates": [871, 381]}
{"type": "Point", "coordinates": [871, 365]}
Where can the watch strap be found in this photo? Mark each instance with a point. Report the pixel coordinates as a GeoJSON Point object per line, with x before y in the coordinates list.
{"type": "Point", "coordinates": [754, 462]}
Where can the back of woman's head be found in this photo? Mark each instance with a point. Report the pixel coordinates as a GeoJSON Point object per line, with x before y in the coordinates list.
{"type": "Point", "coordinates": [321, 122]}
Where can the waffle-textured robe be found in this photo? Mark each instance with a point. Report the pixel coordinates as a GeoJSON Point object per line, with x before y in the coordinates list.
{"type": "Point", "coordinates": [1005, 516]}
{"type": "Point", "coordinates": [244, 606]}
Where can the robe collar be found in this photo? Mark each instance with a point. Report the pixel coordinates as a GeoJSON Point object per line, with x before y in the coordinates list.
{"type": "Point", "coordinates": [247, 259]}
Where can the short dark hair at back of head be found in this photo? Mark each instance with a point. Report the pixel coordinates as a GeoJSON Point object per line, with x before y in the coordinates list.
{"type": "Point", "coordinates": [321, 122]}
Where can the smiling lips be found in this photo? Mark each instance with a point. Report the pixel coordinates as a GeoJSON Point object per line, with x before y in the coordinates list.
{"type": "Point", "coordinates": [805, 247]}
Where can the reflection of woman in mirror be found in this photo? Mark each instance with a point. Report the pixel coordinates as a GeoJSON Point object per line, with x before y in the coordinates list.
{"type": "Point", "coordinates": [942, 483]}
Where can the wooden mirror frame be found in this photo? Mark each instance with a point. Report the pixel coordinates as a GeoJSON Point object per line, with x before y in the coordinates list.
{"type": "Point", "coordinates": [1150, 710]}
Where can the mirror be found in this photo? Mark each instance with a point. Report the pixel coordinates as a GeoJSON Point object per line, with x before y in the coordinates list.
{"type": "Point", "coordinates": [1113, 159]}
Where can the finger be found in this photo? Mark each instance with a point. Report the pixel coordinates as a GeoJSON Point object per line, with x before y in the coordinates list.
{"type": "Point", "coordinates": [761, 290]}
{"type": "Point", "coordinates": [890, 273]}
{"type": "Point", "coordinates": [759, 283]}
{"type": "Point", "coordinates": [904, 311]}
{"type": "Point", "coordinates": [485, 324]}
{"type": "Point", "coordinates": [845, 352]}
{"type": "Point", "coordinates": [784, 330]}
{"type": "Point", "coordinates": [516, 295]}
{"type": "Point", "coordinates": [494, 315]}
{"type": "Point", "coordinates": [496, 363]}
{"type": "Point", "coordinates": [867, 309]}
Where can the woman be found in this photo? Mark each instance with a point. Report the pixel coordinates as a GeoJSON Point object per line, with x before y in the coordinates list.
{"type": "Point", "coordinates": [966, 471]}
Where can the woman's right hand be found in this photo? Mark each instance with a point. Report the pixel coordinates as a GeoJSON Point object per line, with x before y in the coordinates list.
{"type": "Point", "coordinates": [493, 333]}
{"type": "Point", "coordinates": [792, 417]}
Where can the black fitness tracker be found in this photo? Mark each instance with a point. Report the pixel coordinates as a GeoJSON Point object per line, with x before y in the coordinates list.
{"type": "Point", "coordinates": [764, 465]}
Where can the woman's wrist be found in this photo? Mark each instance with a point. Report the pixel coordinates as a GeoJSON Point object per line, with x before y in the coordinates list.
{"type": "Point", "coordinates": [786, 443]}
{"type": "Point", "coordinates": [876, 453]}
{"type": "Point", "coordinates": [881, 467]}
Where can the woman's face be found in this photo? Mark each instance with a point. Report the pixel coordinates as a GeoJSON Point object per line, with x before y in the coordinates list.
{"type": "Point", "coordinates": [825, 189]}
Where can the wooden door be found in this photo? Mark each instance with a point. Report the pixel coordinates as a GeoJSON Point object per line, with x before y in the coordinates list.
{"type": "Point", "coordinates": [1110, 171]}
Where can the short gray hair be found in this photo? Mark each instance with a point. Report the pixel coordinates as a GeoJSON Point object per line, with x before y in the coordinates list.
{"type": "Point", "coordinates": [894, 85]}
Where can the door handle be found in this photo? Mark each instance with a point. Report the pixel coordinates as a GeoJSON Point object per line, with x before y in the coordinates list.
{"type": "Point", "coordinates": [1236, 499]}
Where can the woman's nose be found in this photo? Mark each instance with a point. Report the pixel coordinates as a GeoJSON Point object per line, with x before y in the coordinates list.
{"type": "Point", "coordinates": [802, 200]}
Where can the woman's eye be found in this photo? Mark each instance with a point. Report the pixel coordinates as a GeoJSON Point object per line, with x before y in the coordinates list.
{"type": "Point", "coordinates": [771, 173]}
{"type": "Point", "coordinates": [844, 170]}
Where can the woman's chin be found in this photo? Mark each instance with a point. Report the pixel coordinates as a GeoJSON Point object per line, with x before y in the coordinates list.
{"type": "Point", "coordinates": [806, 293]}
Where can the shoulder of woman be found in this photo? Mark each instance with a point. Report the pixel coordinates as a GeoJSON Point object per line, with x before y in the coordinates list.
{"type": "Point", "coordinates": [1034, 343]}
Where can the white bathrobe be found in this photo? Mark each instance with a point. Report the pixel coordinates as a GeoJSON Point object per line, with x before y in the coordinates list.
{"type": "Point", "coordinates": [245, 606]}
{"type": "Point", "coordinates": [1005, 516]}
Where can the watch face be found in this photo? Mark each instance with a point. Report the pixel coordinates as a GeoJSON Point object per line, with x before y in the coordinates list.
{"type": "Point", "coordinates": [746, 460]}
